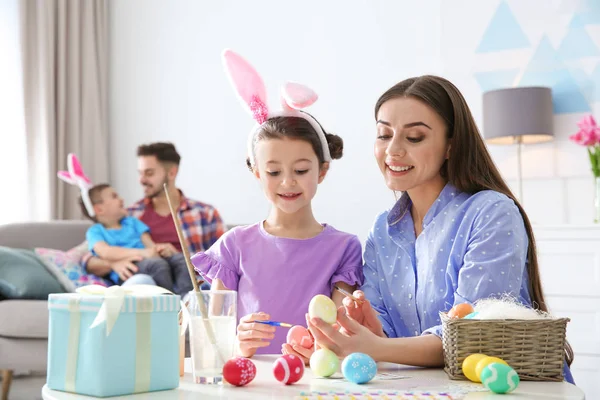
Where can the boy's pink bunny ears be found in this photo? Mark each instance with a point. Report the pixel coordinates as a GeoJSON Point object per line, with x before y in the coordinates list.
{"type": "Point", "coordinates": [76, 176]}
{"type": "Point", "coordinates": [252, 92]}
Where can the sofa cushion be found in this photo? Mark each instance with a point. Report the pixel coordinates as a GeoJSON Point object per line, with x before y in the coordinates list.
{"type": "Point", "coordinates": [24, 319]}
{"type": "Point", "coordinates": [67, 268]}
{"type": "Point", "coordinates": [23, 276]}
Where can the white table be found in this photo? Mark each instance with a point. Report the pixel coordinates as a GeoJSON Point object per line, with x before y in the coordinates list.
{"type": "Point", "coordinates": [264, 386]}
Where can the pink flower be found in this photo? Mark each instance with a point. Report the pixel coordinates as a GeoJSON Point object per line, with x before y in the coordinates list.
{"type": "Point", "coordinates": [589, 132]}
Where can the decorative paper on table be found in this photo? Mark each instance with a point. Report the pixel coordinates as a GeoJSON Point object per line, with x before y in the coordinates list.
{"type": "Point", "coordinates": [405, 387]}
{"type": "Point", "coordinates": [377, 395]}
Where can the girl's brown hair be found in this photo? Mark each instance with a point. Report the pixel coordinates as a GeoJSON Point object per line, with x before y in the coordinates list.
{"type": "Point", "coordinates": [469, 166]}
{"type": "Point", "coordinates": [299, 128]}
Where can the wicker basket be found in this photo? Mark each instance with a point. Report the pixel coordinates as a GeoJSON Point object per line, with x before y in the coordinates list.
{"type": "Point", "coordinates": [534, 348]}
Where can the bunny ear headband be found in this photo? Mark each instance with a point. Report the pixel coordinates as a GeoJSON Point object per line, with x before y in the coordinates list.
{"type": "Point", "coordinates": [253, 95]}
{"type": "Point", "coordinates": [75, 176]}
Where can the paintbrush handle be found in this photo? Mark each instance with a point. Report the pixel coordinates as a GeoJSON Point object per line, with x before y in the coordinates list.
{"type": "Point", "coordinates": [199, 295]}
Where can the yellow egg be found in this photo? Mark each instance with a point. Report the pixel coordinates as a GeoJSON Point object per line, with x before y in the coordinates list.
{"type": "Point", "coordinates": [484, 362]}
{"type": "Point", "coordinates": [468, 366]}
{"type": "Point", "coordinates": [323, 307]}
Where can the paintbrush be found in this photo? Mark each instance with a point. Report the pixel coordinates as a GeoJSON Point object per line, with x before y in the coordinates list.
{"type": "Point", "coordinates": [274, 323]}
{"type": "Point", "coordinates": [199, 296]}
{"type": "Point", "coordinates": [348, 294]}
{"type": "Point", "coordinates": [356, 299]}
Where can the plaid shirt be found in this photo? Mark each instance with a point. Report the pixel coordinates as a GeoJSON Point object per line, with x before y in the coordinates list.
{"type": "Point", "coordinates": [201, 223]}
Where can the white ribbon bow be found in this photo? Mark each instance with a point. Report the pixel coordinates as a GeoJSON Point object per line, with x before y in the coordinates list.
{"type": "Point", "coordinates": [114, 296]}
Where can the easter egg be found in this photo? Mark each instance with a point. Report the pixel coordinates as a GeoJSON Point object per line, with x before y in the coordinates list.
{"type": "Point", "coordinates": [324, 363]}
{"type": "Point", "coordinates": [499, 378]}
{"type": "Point", "coordinates": [484, 362]}
{"type": "Point", "coordinates": [288, 369]}
{"type": "Point", "coordinates": [323, 307]}
{"type": "Point", "coordinates": [469, 364]}
{"type": "Point", "coordinates": [460, 310]}
{"type": "Point", "coordinates": [239, 371]}
{"type": "Point", "coordinates": [359, 368]}
{"type": "Point", "coordinates": [299, 336]}
{"type": "Point", "coordinates": [473, 315]}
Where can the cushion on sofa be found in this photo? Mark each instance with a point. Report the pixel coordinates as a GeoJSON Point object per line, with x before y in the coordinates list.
{"type": "Point", "coordinates": [67, 268]}
{"type": "Point", "coordinates": [23, 276]}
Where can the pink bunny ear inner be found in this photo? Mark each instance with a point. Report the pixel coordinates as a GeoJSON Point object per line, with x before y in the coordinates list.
{"type": "Point", "coordinates": [247, 83]}
{"type": "Point", "coordinates": [297, 96]}
{"type": "Point", "coordinates": [76, 170]}
{"type": "Point", "coordinates": [66, 177]}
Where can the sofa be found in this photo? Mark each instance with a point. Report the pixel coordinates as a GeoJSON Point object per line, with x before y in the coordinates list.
{"type": "Point", "coordinates": [24, 323]}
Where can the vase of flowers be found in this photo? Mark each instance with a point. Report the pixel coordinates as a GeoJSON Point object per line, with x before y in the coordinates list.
{"type": "Point", "coordinates": [589, 136]}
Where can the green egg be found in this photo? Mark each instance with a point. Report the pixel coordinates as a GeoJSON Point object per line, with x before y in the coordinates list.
{"type": "Point", "coordinates": [324, 363]}
{"type": "Point", "coordinates": [499, 378]}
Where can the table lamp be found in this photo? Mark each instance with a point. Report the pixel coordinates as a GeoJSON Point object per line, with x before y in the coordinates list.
{"type": "Point", "coordinates": [520, 115]}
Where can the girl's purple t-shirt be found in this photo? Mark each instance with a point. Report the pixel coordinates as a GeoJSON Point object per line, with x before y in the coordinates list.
{"type": "Point", "coordinates": [279, 276]}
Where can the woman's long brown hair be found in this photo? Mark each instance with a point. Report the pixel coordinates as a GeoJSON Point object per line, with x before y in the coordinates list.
{"type": "Point", "coordinates": [469, 166]}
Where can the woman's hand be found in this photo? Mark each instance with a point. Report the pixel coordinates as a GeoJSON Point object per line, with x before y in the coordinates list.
{"type": "Point", "coordinates": [251, 335]}
{"type": "Point", "coordinates": [362, 312]}
{"type": "Point", "coordinates": [352, 337]}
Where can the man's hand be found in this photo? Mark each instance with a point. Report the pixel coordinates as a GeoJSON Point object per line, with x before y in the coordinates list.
{"type": "Point", "coordinates": [126, 268]}
{"type": "Point", "coordinates": [149, 252]}
{"type": "Point", "coordinates": [166, 250]}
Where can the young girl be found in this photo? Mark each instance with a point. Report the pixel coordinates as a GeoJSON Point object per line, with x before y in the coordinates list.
{"type": "Point", "coordinates": [278, 265]}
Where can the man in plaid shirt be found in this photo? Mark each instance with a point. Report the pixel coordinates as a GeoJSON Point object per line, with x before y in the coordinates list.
{"type": "Point", "coordinates": [158, 163]}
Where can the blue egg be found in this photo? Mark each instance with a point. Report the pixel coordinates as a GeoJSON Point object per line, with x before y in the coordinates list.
{"type": "Point", "coordinates": [359, 368]}
{"type": "Point", "coordinates": [473, 315]}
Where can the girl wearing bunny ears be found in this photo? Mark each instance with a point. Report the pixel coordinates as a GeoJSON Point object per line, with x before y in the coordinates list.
{"type": "Point", "coordinates": [278, 265]}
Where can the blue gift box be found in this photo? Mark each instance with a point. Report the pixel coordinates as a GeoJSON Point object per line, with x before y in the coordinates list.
{"type": "Point", "coordinates": [113, 344]}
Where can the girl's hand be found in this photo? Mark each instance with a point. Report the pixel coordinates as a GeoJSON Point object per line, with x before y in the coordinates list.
{"type": "Point", "coordinates": [362, 312]}
{"type": "Point", "coordinates": [352, 337]}
{"type": "Point", "coordinates": [251, 336]}
{"type": "Point", "coordinates": [298, 351]}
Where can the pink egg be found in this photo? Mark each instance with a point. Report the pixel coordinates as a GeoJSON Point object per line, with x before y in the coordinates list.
{"type": "Point", "coordinates": [288, 369]}
{"type": "Point", "coordinates": [299, 336]}
{"type": "Point", "coordinates": [239, 371]}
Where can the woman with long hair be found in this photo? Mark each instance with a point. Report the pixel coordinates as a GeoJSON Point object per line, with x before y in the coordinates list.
{"type": "Point", "coordinates": [456, 234]}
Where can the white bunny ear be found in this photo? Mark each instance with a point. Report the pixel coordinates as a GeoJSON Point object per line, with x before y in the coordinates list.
{"type": "Point", "coordinates": [76, 171]}
{"type": "Point", "coordinates": [76, 176]}
{"type": "Point", "coordinates": [66, 177]}
{"type": "Point", "coordinates": [296, 96]}
{"type": "Point", "coordinates": [248, 84]}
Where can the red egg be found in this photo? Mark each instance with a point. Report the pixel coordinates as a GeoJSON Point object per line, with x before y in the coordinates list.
{"type": "Point", "coordinates": [288, 369]}
{"type": "Point", "coordinates": [239, 371]}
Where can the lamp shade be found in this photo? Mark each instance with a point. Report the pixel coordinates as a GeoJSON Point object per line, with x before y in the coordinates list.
{"type": "Point", "coordinates": [521, 114]}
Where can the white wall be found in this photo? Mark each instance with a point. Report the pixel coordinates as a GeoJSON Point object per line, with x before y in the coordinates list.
{"type": "Point", "coordinates": [558, 184]}
{"type": "Point", "coordinates": [167, 83]}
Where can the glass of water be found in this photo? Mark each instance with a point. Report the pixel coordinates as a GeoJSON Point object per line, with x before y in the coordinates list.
{"type": "Point", "coordinates": [212, 333]}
